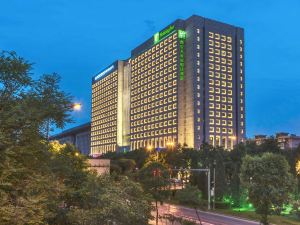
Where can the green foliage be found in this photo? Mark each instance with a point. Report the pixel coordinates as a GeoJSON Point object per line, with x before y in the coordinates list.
{"type": "Point", "coordinates": [108, 199]}
{"type": "Point", "coordinates": [123, 166]}
{"type": "Point", "coordinates": [268, 181]}
{"type": "Point", "coordinates": [190, 195]}
{"type": "Point", "coordinates": [139, 156]}
{"type": "Point", "coordinates": [154, 177]}
{"type": "Point", "coordinates": [49, 183]}
{"type": "Point", "coordinates": [155, 180]}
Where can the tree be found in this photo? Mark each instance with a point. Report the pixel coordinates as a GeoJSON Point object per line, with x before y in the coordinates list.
{"type": "Point", "coordinates": [233, 164]}
{"type": "Point", "coordinates": [190, 195]}
{"type": "Point", "coordinates": [49, 183]}
{"type": "Point", "coordinates": [47, 94]}
{"type": "Point", "coordinates": [123, 166]}
{"type": "Point", "coordinates": [268, 181]}
{"type": "Point", "coordinates": [154, 178]}
{"type": "Point", "coordinates": [27, 184]}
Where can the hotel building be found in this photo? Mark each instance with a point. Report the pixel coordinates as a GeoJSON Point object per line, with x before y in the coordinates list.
{"type": "Point", "coordinates": [110, 115]}
{"type": "Point", "coordinates": [184, 85]}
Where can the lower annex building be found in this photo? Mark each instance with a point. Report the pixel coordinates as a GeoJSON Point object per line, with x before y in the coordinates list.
{"type": "Point", "coordinates": [184, 85]}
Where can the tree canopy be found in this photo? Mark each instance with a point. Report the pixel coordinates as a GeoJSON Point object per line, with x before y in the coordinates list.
{"type": "Point", "coordinates": [268, 181]}
{"type": "Point", "coordinates": [49, 183]}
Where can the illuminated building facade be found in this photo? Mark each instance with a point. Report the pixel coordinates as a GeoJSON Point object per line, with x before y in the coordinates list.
{"type": "Point", "coordinates": [216, 53]}
{"type": "Point", "coordinates": [110, 119]}
{"type": "Point", "coordinates": [185, 85]}
{"type": "Point", "coordinates": [155, 75]}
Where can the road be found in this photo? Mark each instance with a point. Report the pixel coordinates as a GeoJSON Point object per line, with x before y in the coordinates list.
{"type": "Point", "coordinates": [208, 218]}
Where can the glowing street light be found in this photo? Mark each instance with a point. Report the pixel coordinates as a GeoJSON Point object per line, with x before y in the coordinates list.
{"type": "Point", "coordinates": [233, 138]}
{"type": "Point", "coordinates": [77, 106]}
{"type": "Point", "coordinates": [171, 144]}
{"type": "Point", "coordinates": [149, 148]}
{"type": "Point", "coordinates": [298, 167]}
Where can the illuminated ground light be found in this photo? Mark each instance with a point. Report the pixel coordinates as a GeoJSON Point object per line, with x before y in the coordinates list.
{"type": "Point", "coordinates": [287, 209]}
{"type": "Point", "coordinates": [245, 208]}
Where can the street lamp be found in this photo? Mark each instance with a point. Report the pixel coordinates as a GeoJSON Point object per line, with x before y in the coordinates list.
{"type": "Point", "coordinates": [214, 190]}
{"type": "Point", "coordinates": [233, 138]}
{"type": "Point", "coordinates": [298, 167]}
{"type": "Point", "coordinates": [77, 106]}
{"type": "Point", "coordinates": [149, 148]}
{"type": "Point", "coordinates": [171, 144]}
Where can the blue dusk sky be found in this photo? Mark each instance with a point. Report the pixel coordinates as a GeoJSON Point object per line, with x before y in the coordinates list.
{"type": "Point", "coordinates": [78, 38]}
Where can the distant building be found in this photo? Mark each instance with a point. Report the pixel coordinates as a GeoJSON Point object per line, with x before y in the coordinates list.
{"type": "Point", "coordinates": [79, 136]}
{"type": "Point", "coordinates": [288, 141]}
{"type": "Point", "coordinates": [285, 140]}
{"type": "Point", "coordinates": [259, 139]}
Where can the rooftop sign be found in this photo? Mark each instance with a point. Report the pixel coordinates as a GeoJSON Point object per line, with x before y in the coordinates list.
{"type": "Point", "coordinates": [160, 35]}
{"type": "Point", "coordinates": [104, 72]}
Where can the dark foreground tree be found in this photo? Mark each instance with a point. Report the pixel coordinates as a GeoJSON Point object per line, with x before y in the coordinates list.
{"type": "Point", "coordinates": [26, 182]}
{"type": "Point", "coordinates": [268, 181]}
{"type": "Point", "coordinates": [49, 183]}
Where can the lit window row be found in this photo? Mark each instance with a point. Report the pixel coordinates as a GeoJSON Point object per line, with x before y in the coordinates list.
{"type": "Point", "coordinates": [154, 142]}
{"type": "Point", "coordinates": [221, 37]}
{"type": "Point", "coordinates": [218, 59]}
{"type": "Point", "coordinates": [218, 67]}
{"type": "Point", "coordinates": [219, 130]}
{"type": "Point", "coordinates": [213, 105]}
{"type": "Point", "coordinates": [162, 98]}
{"type": "Point", "coordinates": [220, 122]}
{"type": "Point", "coordinates": [153, 133]}
{"type": "Point", "coordinates": [219, 52]}
{"type": "Point", "coordinates": [155, 48]}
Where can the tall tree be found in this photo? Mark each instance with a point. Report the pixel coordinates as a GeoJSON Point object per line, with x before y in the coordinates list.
{"type": "Point", "coordinates": [154, 178]}
{"type": "Point", "coordinates": [268, 181]}
{"type": "Point", "coordinates": [26, 180]}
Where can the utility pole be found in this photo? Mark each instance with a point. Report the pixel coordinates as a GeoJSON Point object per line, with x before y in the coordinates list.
{"type": "Point", "coordinates": [208, 189]}
{"type": "Point", "coordinates": [214, 190]}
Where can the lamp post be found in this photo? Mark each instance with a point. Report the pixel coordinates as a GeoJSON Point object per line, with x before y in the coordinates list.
{"type": "Point", "coordinates": [214, 190]}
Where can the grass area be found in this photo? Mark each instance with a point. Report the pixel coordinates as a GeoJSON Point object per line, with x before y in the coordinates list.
{"type": "Point", "coordinates": [278, 220]}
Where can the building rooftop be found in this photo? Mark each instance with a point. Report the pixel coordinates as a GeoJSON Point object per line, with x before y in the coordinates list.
{"type": "Point", "coordinates": [72, 131]}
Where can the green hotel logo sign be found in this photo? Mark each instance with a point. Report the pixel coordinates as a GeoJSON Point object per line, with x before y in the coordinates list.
{"type": "Point", "coordinates": [181, 37]}
{"type": "Point", "coordinates": [181, 34]}
{"type": "Point", "coordinates": [160, 35]}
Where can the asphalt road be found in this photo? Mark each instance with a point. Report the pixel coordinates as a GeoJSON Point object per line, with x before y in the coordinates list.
{"type": "Point", "coordinates": [208, 218]}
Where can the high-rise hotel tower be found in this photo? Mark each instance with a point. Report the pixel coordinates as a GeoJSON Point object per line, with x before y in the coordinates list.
{"type": "Point", "coordinates": [185, 85]}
